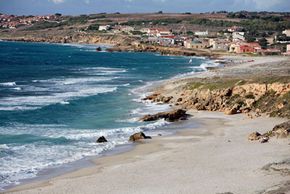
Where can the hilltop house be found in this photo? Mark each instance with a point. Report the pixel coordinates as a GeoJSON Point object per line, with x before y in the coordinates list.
{"type": "Point", "coordinates": [156, 32]}
{"type": "Point", "coordinates": [166, 40]}
{"type": "Point", "coordinates": [201, 33]}
{"type": "Point", "coordinates": [219, 44]}
{"type": "Point", "coordinates": [126, 29]}
{"type": "Point", "coordinates": [240, 48]}
{"type": "Point", "coordinates": [179, 40]}
{"type": "Point", "coordinates": [195, 44]}
{"type": "Point", "coordinates": [238, 36]}
{"type": "Point", "coordinates": [235, 29]}
{"type": "Point", "coordinates": [286, 32]}
{"type": "Point", "coordinates": [104, 28]}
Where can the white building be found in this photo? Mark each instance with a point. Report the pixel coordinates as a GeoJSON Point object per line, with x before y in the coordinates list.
{"type": "Point", "coordinates": [286, 32]}
{"type": "Point", "coordinates": [238, 36]}
{"type": "Point", "coordinates": [201, 33]}
{"type": "Point", "coordinates": [288, 48]}
{"type": "Point", "coordinates": [158, 32]}
{"type": "Point", "coordinates": [104, 28]}
{"type": "Point", "coordinates": [219, 44]}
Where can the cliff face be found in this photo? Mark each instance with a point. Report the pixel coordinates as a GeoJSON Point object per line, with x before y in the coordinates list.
{"type": "Point", "coordinates": [231, 97]}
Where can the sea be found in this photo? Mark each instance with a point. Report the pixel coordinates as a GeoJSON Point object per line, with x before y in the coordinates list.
{"type": "Point", "coordinates": [57, 99]}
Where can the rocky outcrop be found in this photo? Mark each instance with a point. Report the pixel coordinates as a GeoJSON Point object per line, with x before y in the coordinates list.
{"type": "Point", "coordinates": [138, 136]}
{"type": "Point", "coordinates": [158, 98]}
{"type": "Point", "coordinates": [282, 130]}
{"type": "Point", "coordinates": [170, 116]}
{"type": "Point", "coordinates": [230, 97]}
{"type": "Point", "coordinates": [102, 139]}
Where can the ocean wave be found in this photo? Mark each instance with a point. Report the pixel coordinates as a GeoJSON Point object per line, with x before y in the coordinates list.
{"type": "Point", "coordinates": [17, 88]}
{"type": "Point", "coordinates": [3, 146]}
{"type": "Point", "coordinates": [28, 160]}
{"type": "Point", "coordinates": [101, 71]}
{"type": "Point", "coordinates": [8, 84]}
{"type": "Point", "coordinates": [35, 102]}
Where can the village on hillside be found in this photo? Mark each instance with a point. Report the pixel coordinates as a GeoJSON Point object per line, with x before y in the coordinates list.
{"type": "Point", "coordinates": [222, 37]}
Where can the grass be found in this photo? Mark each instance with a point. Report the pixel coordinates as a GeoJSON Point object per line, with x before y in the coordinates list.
{"type": "Point", "coordinates": [217, 84]}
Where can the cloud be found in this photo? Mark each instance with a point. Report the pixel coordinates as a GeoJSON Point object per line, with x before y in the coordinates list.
{"type": "Point", "coordinates": [57, 1]}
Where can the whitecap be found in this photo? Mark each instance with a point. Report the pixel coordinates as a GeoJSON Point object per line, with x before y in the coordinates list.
{"type": "Point", "coordinates": [8, 84]}
{"type": "Point", "coordinates": [3, 146]}
{"type": "Point", "coordinates": [17, 88]}
{"type": "Point", "coordinates": [35, 102]}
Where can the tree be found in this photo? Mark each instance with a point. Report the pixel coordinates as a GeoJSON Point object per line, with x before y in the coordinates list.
{"type": "Point", "coordinates": [58, 14]}
{"type": "Point", "coordinates": [263, 43]}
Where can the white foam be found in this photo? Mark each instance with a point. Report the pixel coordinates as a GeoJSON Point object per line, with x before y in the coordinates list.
{"type": "Point", "coordinates": [64, 103]}
{"type": "Point", "coordinates": [28, 159]}
{"type": "Point", "coordinates": [34, 102]}
{"type": "Point", "coordinates": [3, 146]}
{"type": "Point", "coordinates": [101, 71]}
{"type": "Point", "coordinates": [126, 85]}
{"type": "Point", "coordinates": [8, 84]}
{"type": "Point", "coordinates": [17, 88]}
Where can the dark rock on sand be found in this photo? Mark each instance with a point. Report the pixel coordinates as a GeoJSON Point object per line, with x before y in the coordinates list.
{"type": "Point", "coordinates": [138, 136]}
{"type": "Point", "coordinates": [254, 136]}
{"type": "Point", "coordinates": [264, 139]}
{"type": "Point", "coordinates": [102, 140]}
{"type": "Point", "coordinates": [168, 116]}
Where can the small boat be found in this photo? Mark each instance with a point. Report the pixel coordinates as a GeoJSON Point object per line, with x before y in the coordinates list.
{"type": "Point", "coordinates": [98, 49]}
{"type": "Point", "coordinates": [190, 61]}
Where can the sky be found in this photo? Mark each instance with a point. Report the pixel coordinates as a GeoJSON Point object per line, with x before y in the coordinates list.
{"type": "Point", "coordinates": [76, 7]}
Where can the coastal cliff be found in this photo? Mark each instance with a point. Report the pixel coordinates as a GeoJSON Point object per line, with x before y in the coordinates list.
{"type": "Point", "coordinates": [230, 96]}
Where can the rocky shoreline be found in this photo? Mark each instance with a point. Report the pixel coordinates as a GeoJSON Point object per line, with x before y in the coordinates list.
{"type": "Point", "coordinates": [120, 43]}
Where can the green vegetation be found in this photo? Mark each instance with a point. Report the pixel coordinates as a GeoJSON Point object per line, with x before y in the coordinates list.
{"type": "Point", "coordinates": [153, 22]}
{"type": "Point", "coordinates": [216, 23]}
{"type": "Point", "coordinates": [257, 15]}
{"type": "Point", "coordinates": [93, 27]}
{"type": "Point", "coordinates": [263, 42]}
{"type": "Point", "coordinates": [215, 85]}
{"type": "Point", "coordinates": [44, 25]}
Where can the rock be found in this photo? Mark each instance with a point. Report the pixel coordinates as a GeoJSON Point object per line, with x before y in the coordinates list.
{"type": "Point", "coordinates": [254, 136]}
{"type": "Point", "coordinates": [102, 140]}
{"type": "Point", "coordinates": [231, 111]}
{"type": "Point", "coordinates": [282, 130]}
{"type": "Point", "coordinates": [167, 99]}
{"type": "Point", "coordinates": [138, 136]}
{"type": "Point", "coordinates": [171, 116]}
{"type": "Point", "coordinates": [151, 97]}
{"type": "Point", "coordinates": [264, 139]}
{"type": "Point", "coordinates": [179, 99]}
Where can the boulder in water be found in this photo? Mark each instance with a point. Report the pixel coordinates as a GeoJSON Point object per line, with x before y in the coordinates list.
{"type": "Point", "coordinates": [102, 140]}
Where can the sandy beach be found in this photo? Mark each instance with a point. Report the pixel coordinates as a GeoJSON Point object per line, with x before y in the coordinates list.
{"type": "Point", "coordinates": [215, 157]}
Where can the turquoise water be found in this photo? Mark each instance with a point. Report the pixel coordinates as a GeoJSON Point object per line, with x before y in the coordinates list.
{"type": "Point", "coordinates": [56, 100]}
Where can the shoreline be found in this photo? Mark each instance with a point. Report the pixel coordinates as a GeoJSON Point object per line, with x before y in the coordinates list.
{"type": "Point", "coordinates": [139, 150]}
{"type": "Point", "coordinates": [144, 161]}
{"type": "Point", "coordinates": [118, 47]}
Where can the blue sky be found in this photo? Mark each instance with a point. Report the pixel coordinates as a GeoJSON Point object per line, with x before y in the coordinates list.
{"type": "Point", "coordinates": [75, 7]}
